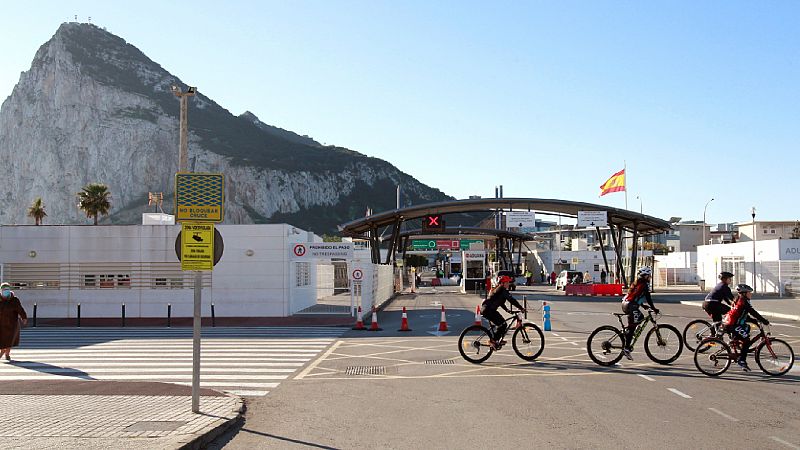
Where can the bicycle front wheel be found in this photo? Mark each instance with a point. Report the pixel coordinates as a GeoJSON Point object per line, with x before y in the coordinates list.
{"type": "Point", "coordinates": [605, 345]}
{"type": "Point", "coordinates": [712, 357]}
{"type": "Point", "coordinates": [775, 357]}
{"type": "Point", "coordinates": [696, 331]}
{"type": "Point", "coordinates": [474, 345]}
{"type": "Point", "coordinates": [663, 344]}
{"type": "Point", "coordinates": [528, 341]}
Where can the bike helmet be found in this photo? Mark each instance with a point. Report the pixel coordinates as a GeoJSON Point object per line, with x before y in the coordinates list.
{"type": "Point", "coordinates": [742, 288]}
{"type": "Point", "coordinates": [725, 275]}
{"type": "Point", "coordinates": [505, 279]}
{"type": "Point", "coordinates": [644, 271]}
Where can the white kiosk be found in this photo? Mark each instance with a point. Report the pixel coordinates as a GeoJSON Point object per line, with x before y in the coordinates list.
{"type": "Point", "coordinates": [474, 265]}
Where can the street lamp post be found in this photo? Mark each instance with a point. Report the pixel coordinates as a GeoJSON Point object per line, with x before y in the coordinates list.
{"type": "Point", "coordinates": [183, 146]}
{"type": "Point", "coordinates": [704, 221]}
{"type": "Point", "coordinates": [755, 236]}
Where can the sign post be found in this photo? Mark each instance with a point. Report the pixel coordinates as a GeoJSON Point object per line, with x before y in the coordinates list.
{"type": "Point", "coordinates": [199, 199]}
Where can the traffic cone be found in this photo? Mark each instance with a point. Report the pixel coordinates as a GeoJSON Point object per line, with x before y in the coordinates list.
{"type": "Point", "coordinates": [478, 320]}
{"type": "Point", "coordinates": [404, 321]}
{"type": "Point", "coordinates": [443, 321]}
{"type": "Point", "coordinates": [374, 326]}
{"type": "Point", "coordinates": [359, 323]}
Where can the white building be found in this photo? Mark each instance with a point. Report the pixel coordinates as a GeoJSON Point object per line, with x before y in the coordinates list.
{"type": "Point", "coordinates": [102, 267]}
{"type": "Point", "coordinates": [769, 265]}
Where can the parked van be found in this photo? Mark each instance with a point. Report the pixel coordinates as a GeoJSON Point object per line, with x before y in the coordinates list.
{"type": "Point", "coordinates": [566, 277]}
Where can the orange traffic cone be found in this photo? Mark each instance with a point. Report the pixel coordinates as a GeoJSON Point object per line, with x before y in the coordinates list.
{"type": "Point", "coordinates": [404, 321]}
{"type": "Point", "coordinates": [374, 326]}
{"type": "Point", "coordinates": [443, 321]}
{"type": "Point", "coordinates": [359, 323]}
{"type": "Point", "coordinates": [478, 315]}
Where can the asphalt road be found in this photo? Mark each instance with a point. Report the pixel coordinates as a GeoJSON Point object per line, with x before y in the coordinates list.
{"type": "Point", "coordinates": [412, 390]}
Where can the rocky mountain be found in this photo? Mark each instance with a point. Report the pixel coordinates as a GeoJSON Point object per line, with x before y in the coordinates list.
{"type": "Point", "coordinates": [93, 108]}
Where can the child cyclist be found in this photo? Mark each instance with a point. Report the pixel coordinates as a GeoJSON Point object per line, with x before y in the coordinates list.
{"type": "Point", "coordinates": [636, 296]}
{"type": "Point", "coordinates": [735, 322]}
{"type": "Point", "coordinates": [497, 298]}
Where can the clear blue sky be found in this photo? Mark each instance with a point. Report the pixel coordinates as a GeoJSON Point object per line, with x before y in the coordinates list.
{"type": "Point", "coordinates": [701, 100]}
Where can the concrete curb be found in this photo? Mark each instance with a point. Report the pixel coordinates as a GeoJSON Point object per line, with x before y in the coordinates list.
{"type": "Point", "coordinates": [201, 440]}
{"type": "Point", "coordinates": [763, 313]}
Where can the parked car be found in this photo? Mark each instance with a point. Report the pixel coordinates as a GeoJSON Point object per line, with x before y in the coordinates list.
{"type": "Point", "coordinates": [513, 285]}
{"type": "Point", "coordinates": [566, 277]}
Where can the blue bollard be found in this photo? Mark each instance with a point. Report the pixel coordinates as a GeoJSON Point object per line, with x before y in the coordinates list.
{"type": "Point", "coordinates": [546, 316]}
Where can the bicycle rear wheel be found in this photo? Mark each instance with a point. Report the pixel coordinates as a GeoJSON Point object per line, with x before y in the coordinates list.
{"type": "Point", "coordinates": [474, 345]}
{"type": "Point", "coordinates": [528, 341]}
{"type": "Point", "coordinates": [605, 345]}
{"type": "Point", "coordinates": [775, 357]}
{"type": "Point", "coordinates": [712, 356]}
{"type": "Point", "coordinates": [696, 331]}
{"type": "Point", "coordinates": [663, 344]}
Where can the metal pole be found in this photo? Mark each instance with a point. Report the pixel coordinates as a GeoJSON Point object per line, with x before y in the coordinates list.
{"type": "Point", "coordinates": [169, 315]}
{"type": "Point", "coordinates": [755, 237]}
{"type": "Point", "coordinates": [213, 317]}
{"type": "Point", "coordinates": [198, 280]}
{"type": "Point", "coordinates": [123, 315]}
{"type": "Point", "coordinates": [79, 315]}
{"type": "Point", "coordinates": [704, 221]}
{"type": "Point", "coordinates": [34, 315]}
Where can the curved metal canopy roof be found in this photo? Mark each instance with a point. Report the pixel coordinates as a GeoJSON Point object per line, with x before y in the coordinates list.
{"type": "Point", "coordinates": [622, 218]}
{"type": "Point", "coordinates": [455, 231]}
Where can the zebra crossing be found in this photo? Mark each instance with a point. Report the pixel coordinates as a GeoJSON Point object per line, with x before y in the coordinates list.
{"type": "Point", "coordinates": [240, 360]}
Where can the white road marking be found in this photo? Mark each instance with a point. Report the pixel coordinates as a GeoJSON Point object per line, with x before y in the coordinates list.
{"type": "Point", "coordinates": [248, 393]}
{"type": "Point", "coordinates": [678, 393]}
{"type": "Point", "coordinates": [788, 444]}
{"type": "Point", "coordinates": [731, 418]}
{"type": "Point", "coordinates": [554, 334]}
{"type": "Point", "coordinates": [314, 364]}
{"type": "Point", "coordinates": [646, 377]}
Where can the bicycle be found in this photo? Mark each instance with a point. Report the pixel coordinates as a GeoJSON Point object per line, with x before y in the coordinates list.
{"type": "Point", "coordinates": [527, 340]}
{"type": "Point", "coordinates": [662, 343]}
{"type": "Point", "coordinates": [713, 355]}
{"type": "Point", "coordinates": [697, 330]}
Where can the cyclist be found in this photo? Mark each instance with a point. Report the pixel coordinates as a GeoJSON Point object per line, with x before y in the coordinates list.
{"type": "Point", "coordinates": [717, 301]}
{"type": "Point", "coordinates": [735, 322]}
{"type": "Point", "coordinates": [636, 296]}
{"type": "Point", "coordinates": [497, 298]}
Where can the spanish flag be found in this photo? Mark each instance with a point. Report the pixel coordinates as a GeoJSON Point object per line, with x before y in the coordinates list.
{"type": "Point", "coordinates": [615, 183]}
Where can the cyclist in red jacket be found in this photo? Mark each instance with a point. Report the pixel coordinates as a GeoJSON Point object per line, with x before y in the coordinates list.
{"type": "Point", "coordinates": [736, 321]}
{"type": "Point", "coordinates": [636, 296]}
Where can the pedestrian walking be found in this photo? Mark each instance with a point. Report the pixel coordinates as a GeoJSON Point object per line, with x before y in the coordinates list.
{"type": "Point", "coordinates": [603, 276]}
{"type": "Point", "coordinates": [11, 314]}
{"type": "Point", "coordinates": [553, 277]}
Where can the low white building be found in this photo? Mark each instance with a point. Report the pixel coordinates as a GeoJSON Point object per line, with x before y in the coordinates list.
{"type": "Point", "coordinates": [102, 267]}
{"type": "Point", "coordinates": [770, 265]}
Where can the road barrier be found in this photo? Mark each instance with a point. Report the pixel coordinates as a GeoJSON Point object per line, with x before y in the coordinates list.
{"type": "Point", "coordinates": [478, 320]}
{"type": "Point", "coordinates": [123, 315]}
{"type": "Point", "coordinates": [546, 316]}
{"type": "Point", "coordinates": [359, 322]}
{"type": "Point", "coordinates": [34, 315]}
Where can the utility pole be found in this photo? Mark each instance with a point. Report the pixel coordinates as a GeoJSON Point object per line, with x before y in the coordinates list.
{"type": "Point", "coordinates": [755, 237]}
{"type": "Point", "coordinates": [704, 221]}
{"type": "Point", "coordinates": [183, 146]}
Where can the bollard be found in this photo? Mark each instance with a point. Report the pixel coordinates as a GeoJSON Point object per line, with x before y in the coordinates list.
{"type": "Point", "coordinates": [546, 316]}
{"type": "Point", "coordinates": [79, 315]}
{"type": "Point", "coordinates": [34, 315]}
{"type": "Point", "coordinates": [525, 305]}
{"type": "Point", "coordinates": [213, 321]}
{"type": "Point", "coordinates": [123, 315]}
{"type": "Point", "coordinates": [169, 315]}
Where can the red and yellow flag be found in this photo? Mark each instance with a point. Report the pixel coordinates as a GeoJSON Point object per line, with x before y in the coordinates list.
{"type": "Point", "coordinates": [614, 184]}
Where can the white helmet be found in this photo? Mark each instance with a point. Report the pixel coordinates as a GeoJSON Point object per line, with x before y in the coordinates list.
{"type": "Point", "coordinates": [645, 271]}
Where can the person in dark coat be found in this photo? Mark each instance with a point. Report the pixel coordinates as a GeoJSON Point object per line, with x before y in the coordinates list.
{"type": "Point", "coordinates": [11, 313]}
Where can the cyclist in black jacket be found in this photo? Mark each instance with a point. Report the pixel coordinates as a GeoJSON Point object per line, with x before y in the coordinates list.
{"type": "Point", "coordinates": [496, 299]}
{"type": "Point", "coordinates": [718, 300]}
{"type": "Point", "coordinates": [736, 322]}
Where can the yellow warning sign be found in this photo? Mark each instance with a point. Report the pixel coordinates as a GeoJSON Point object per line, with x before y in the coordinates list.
{"type": "Point", "coordinates": [197, 246]}
{"type": "Point", "coordinates": [199, 197]}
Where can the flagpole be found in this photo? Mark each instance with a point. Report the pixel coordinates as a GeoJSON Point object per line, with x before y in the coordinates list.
{"type": "Point", "coordinates": [625, 171]}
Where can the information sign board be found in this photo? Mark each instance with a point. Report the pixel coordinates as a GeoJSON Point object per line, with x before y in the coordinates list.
{"type": "Point", "coordinates": [520, 219]}
{"type": "Point", "coordinates": [592, 218]}
{"type": "Point", "coordinates": [197, 246]}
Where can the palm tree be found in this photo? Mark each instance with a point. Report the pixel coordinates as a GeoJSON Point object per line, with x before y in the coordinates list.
{"type": "Point", "coordinates": [36, 210]}
{"type": "Point", "coordinates": [94, 200]}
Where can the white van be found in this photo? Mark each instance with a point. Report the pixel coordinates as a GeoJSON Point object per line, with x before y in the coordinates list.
{"type": "Point", "coordinates": [565, 278]}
